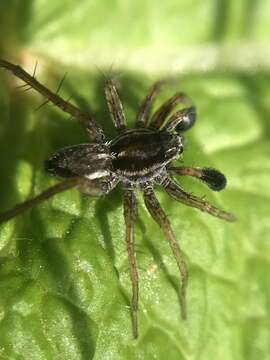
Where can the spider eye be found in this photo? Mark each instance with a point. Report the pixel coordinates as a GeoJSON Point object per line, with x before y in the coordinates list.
{"type": "Point", "coordinates": [188, 120]}
{"type": "Point", "coordinates": [214, 179]}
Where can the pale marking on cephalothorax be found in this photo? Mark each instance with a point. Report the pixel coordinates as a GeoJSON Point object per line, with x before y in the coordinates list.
{"type": "Point", "coordinates": [102, 156]}
{"type": "Point", "coordinates": [97, 174]}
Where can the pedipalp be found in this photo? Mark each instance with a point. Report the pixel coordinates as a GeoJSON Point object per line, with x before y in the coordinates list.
{"type": "Point", "coordinates": [160, 116]}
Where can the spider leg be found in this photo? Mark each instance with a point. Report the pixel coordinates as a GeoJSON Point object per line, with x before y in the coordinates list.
{"type": "Point", "coordinates": [35, 68]}
{"type": "Point", "coordinates": [213, 178]}
{"type": "Point", "coordinates": [160, 217]}
{"type": "Point", "coordinates": [61, 83]}
{"type": "Point", "coordinates": [130, 212]}
{"type": "Point", "coordinates": [146, 106]}
{"type": "Point", "coordinates": [177, 193]}
{"type": "Point", "coordinates": [115, 106]}
{"type": "Point", "coordinates": [159, 117]}
{"type": "Point", "coordinates": [94, 130]}
{"type": "Point", "coordinates": [45, 195]}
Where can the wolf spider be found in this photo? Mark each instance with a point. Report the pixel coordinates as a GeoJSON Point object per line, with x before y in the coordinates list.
{"type": "Point", "coordinates": [138, 158]}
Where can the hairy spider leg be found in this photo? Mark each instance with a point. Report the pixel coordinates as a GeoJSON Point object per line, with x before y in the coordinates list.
{"type": "Point", "coordinates": [161, 218]}
{"type": "Point", "coordinates": [213, 178]}
{"type": "Point", "coordinates": [159, 117]}
{"type": "Point", "coordinates": [35, 69]}
{"type": "Point", "coordinates": [61, 83]}
{"type": "Point", "coordinates": [45, 195]}
{"type": "Point", "coordinates": [115, 106]}
{"type": "Point", "coordinates": [147, 104]}
{"type": "Point", "coordinates": [130, 214]}
{"type": "Point", "coordinates": [177, 193]}
{"type": "Point", "coordinates": [56, 93]}
{"type": "Point", "coordinates": [94, 129]}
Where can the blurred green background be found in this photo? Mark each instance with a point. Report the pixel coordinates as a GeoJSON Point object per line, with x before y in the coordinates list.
{"type": "Point", "coordinates": [64, 277]}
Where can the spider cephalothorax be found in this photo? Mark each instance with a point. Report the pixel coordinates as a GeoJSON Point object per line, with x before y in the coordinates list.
{"type": "Point", "coordinates": [135, 159]}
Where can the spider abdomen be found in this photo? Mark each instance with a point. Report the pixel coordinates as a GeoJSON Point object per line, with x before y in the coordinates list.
{"type": "Point", "coordinates": [141, 151]}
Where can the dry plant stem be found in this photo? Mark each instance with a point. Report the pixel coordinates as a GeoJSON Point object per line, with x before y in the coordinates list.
{"type": "Point", "coordinates": [45, 195]}
{"type": "Point", "coordinates": [93, 128]}
{"type": "Point", "coordinates": [160, 217]}
{"type": "Point", "coordinates": [130, 212]}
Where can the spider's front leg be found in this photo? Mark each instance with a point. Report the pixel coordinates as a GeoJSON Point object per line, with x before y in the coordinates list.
{"type": "Point", "coordinates": [94, 130]}
{"type": "Point", "coordinates": [160, 116]}
{"type": "Point", "coordinates": [146, 106]}
{"type": "Point", "coordinates": [130, 212]}
{"type": "Point", "coordinates": [160, 217]}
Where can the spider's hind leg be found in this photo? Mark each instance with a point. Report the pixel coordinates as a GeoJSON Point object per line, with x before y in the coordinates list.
{"type": "Point", "coordinates": [94, 130]}
{"type": "Point", "coordinates": [45, 195]}
{"type": "Point", "coordinates": [161, 218]}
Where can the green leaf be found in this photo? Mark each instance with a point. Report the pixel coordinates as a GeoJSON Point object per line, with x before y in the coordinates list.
{"type": "Point", "coordinates": [64, 275]}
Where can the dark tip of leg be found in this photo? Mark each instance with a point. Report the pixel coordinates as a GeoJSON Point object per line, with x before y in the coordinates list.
{"type": "Point", "coordinates": [214, 179]}
{"type": "Point", "coordinates": [188, 120]}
